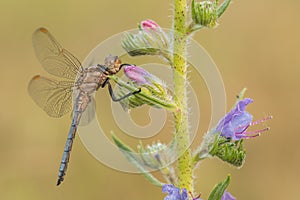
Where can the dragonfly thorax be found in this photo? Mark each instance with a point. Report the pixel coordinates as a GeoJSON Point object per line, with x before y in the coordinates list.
{"type": "Point", "coordinates": [91, 79]}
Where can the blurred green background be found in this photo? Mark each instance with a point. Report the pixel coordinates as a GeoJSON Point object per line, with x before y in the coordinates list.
{"type": "Point", "coordinates": [256, 45]}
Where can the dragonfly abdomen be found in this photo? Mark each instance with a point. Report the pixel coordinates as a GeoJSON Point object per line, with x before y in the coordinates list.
{"type": "Point", "coordinates": [80, 105]}
{"type": "Point", "coordinates": [67, 152]}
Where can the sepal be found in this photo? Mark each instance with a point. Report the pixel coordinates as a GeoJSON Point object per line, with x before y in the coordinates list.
{"type": "Point", "coordinates": [206, 14]}
{"type": "Point", "coordinates": [158, 157]}
{"type": "Point", "coordinates": [229, 151]}
{"type": "Point", "coordinates": [133, 157]}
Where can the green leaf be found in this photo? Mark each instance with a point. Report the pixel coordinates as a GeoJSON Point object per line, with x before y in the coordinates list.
{"type": "Point", "coordinates": [130, 155]}
{"type": "Point", "coordinates": [219, 189]}
{"type": "Point", "coordinates": [221, 9]}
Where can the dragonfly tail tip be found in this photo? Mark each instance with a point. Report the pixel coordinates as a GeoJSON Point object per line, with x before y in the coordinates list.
{"type": "Point", "coordinates": [59, 181]}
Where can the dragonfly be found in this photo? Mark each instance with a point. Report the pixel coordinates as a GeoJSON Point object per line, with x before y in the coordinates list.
{"type": "Point", "coordinates": [74, 92]}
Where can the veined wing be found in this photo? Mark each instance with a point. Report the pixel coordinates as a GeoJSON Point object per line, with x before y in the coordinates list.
{"type": "Point", "coordinates": [54, 58]}
{"type": "Point", "coordinates": [89, 114]}
{"type": "Point", "coordinates": [54, 97]}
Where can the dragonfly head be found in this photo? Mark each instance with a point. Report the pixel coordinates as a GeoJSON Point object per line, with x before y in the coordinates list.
{"type": "Point", "coordinates": [113, 64]}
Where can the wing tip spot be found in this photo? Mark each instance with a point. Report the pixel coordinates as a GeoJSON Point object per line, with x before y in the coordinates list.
{"type": "Point", "coordinates": [36, 77]}
{"type": "Point", "coordinates": [44, 30]}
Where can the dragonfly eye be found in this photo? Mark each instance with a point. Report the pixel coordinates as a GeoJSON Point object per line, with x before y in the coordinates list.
{"type": "Point", "coordinates": [113, 63]}
{"type": "Point", "coordinates": [110, 60]}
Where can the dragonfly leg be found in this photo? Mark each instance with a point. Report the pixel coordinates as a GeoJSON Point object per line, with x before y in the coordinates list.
{"type": "Point", "coordinates": [114, 98]}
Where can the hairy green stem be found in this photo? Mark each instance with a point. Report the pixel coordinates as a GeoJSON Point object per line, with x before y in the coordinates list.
{"type": "Point", "coordinates": [180, 90]}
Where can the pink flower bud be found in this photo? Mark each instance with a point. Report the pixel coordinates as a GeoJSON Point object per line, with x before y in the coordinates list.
{"type": "Point", "coordinates": [149, 24]}
{"type": "Point", "coordinates": [138, 74]}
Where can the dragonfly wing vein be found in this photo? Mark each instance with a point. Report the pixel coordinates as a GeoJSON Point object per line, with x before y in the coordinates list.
{"type": "Point", "coordinates": [54, 58]}
{"type": "Point", "coordinates": [54, 97]}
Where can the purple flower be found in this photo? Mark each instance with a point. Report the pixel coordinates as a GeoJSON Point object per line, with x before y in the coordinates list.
{"type": "Point", "coordinates": [174, 193]}
{"type": "Point", "coordinates": [139, 75]}
{"type": "Point", "coordinates": [227, 196]}
{"type": "Point", "coordinates": [235, 123]}
{"type": "Point", "coordinates": [149, 24]}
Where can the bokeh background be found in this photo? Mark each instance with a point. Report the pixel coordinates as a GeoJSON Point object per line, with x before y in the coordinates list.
{"type": "Point", "coordinates": [256, 45]}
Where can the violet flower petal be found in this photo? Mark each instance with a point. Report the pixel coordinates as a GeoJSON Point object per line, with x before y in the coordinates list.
{"type": "Point", "coordinates": [227, 196]}
{"type": "Point", "coordinates": [236, 121]}
{"type": "Point", "coordinates": [174, 193]}
{"type": "Point", "coordinates": [137, 74]}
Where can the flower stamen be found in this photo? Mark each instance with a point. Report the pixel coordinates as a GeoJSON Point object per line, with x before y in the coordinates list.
{"type": "Point", "coordinates": [239, 127]}
{"type": "Point", "coordinates": [261, 120]}
{"type": "Point", "coordinates": [251, 134]}
{"type": "Point", "coordinates": [195, 198]}
{"type": "Point", "coordinates": [257, 131]}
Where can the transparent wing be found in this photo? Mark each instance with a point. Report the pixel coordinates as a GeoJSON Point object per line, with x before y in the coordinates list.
{"type": "Point", "coordinates": [54, 97]}
{"type": "Point", "coordinates": [89, 114]}
{"type": "Point", "coordinates": [55, 59]}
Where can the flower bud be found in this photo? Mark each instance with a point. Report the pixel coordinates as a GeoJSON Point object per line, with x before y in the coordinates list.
{"type": "Point", "coordinates": [158, 157]}
{"type": "Point", "coordinates": [154, 91]}
{"type": "Point", "coordinates": [139, 75]}
{"type": "Point", "coordinates": [149, 24]}
{"type": "Point", "coordinates": [150, 40]}
{"type": "Point", "coordinates": [154, 156]}
{"type": "Point", "coordinates": [204, 13]}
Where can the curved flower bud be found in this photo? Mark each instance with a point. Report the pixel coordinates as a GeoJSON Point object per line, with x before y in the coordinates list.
{"type": "Point", "coordinates": [139, 76]}
{"type": "Point", "coordinates": [156, 91]}
{"type": "Point", "coordinates": [149, 24]}
{"type": "Point", "coordinates": [150, 40]}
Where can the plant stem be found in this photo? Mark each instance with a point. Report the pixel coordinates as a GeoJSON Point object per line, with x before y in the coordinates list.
{"type": "Point", "coordinates": [180, 90]}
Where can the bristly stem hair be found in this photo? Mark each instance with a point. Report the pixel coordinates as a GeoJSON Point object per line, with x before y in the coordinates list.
{"type": "Point", "coordinates": [180, 76]}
